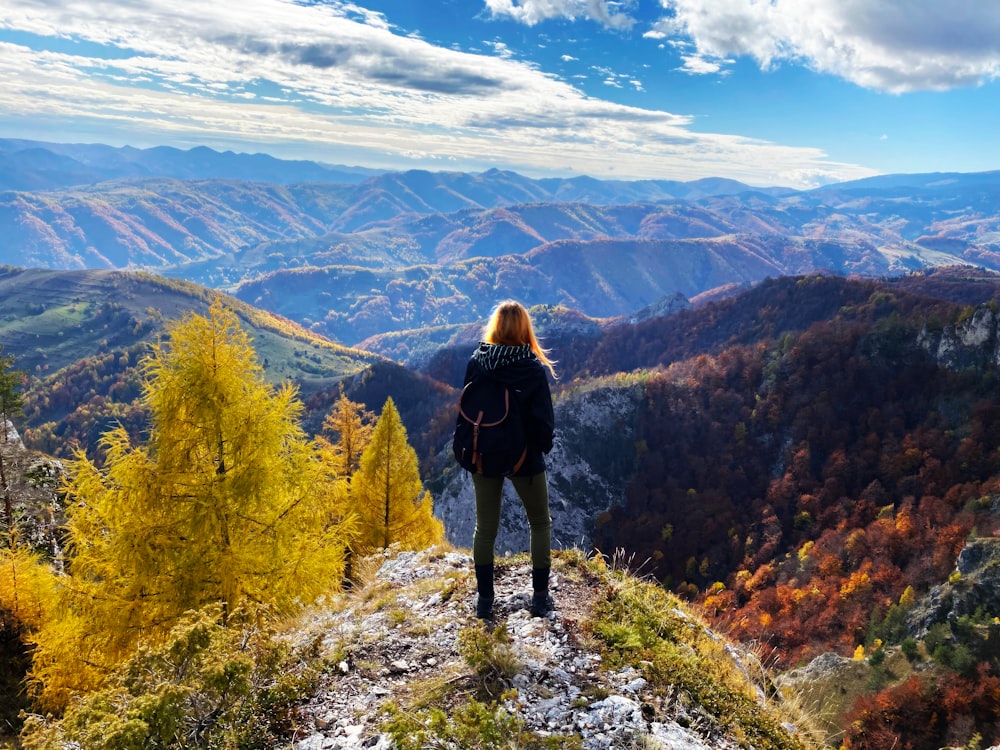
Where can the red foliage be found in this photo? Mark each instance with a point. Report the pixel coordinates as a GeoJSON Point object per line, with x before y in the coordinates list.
{"type": "Point", "coordinates": [800, 464]}
{"type": "Point", "coordinates": [925, 713]}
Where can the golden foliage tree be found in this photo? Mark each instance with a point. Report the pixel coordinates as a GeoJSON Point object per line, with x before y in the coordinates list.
{"type": "Point", "coordinates": [227, 503]}
{"type": "Point", "coordinates": [350, 425]}
{"type": "Point", "coordinates": [27, 599]}
{"type": "Point", "coordinates": [387, 493]}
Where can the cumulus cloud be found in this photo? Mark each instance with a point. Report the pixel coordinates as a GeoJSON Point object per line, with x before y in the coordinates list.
{"type": "Point", "coordinates": [332, 77]}
{"type": "Point", "coordinates": [698, 65]}
{"type": "Point", "coordinates": [530, 12]}
{"type": "Point", "coordinates": [891, 46]}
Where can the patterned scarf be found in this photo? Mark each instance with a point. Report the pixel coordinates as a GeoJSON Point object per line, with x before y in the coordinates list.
{"type": "Point", "coordinates": [496, 356]}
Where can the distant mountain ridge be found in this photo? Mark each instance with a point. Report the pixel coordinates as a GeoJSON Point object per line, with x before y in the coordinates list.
{"type": "Point", "coordinates": [410, 250]}
{"type": "Point", "coordinates": [37, 165]}
{"type": "Point", "coordinates": [922, 180]}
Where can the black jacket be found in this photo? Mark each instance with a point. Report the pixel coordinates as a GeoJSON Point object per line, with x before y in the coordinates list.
{"type": "Point", "coordinates": [519, 368]}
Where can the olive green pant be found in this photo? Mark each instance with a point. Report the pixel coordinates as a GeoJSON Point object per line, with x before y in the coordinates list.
{"type": "Point", "coordinates": [534, 494]}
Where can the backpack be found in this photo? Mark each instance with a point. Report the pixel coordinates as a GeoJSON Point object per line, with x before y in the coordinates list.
{"type": "Point", "coordinates": [489, 433]}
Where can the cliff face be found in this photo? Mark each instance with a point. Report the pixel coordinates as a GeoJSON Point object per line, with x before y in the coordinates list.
{"type": "Point", "coordinates": [965, 603]}
{"type": "Point", "coordinates": [974, 342]}
{"type": "Point", "coordinates": [29, 502]}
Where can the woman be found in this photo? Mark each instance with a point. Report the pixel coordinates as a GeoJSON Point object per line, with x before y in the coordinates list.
{"type": "Point", "coordinates": [511, 354]}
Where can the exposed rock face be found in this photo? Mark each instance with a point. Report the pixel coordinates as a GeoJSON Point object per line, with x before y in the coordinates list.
{"type": "Point", "coordinates": [830, 683]}
{"type": "Point", "coordinates": [10, 434]}
{"type": "Point", "coordinates": [32, 480]}
{"type": "Point", "coordinates": [662, 308]}
{"type": "Point", "coordinates": [591, 456]}
{"type": "Point", "coordinates": [975, 587]}
{"type": "Point", "coordinates": [974, 342]}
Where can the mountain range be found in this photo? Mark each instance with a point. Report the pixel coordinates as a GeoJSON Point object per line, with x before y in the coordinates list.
{"type": "Point", "coordinates": [37, 165]}
{"type": "Point", "coordinates": [367, 255]}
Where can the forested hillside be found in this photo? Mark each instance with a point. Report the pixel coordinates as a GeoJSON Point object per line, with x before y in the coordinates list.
{"type": "Point", "coordinates": [814, 472]}
{"type": "Point", "coordinates": [806, 460]}
{"type": "Point", "coordinates": [81, 336]}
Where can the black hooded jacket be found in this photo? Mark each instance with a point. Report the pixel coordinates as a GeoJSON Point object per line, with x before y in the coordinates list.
{"type": "Point", "coordinates": [519, 369]}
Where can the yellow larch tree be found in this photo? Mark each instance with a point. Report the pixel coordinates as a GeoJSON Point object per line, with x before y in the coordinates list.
{"type": "Point", "coordinates": [387, 493]}
{"type": "Point", "coordinates": [27, 600]}
{"type": "Point", "coordinates": [349, 426]}
{"type": "Point", "coordinates": [227, 503]}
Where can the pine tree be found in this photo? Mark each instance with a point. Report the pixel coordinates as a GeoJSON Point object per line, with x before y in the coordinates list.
{"type": "Point", "coordinates": [227, 502]}
{"type": "Point", "coordinates": [10, 396]}
{"type": "Point", "coordinates": [10, 407]}
{"type": "Point", "coordinates": [387, 493]}
{"type": "Point", "coordinates": [350, 426]}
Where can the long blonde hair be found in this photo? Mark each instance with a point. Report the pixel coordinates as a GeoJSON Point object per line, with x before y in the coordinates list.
{"type": "Point", "coordinates": [510, 324]}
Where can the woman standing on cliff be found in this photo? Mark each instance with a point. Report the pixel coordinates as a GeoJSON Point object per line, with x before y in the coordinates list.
{"type": "Point", "coordinates": [511, 354]}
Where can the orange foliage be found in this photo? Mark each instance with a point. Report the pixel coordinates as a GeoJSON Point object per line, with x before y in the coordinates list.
{"type": "Point", "coordinates": [923, 713]}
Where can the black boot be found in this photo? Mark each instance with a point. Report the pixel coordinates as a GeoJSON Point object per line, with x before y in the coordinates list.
{"type": "Point", "coordinates": [541, 602]}
{"type": "Point", "coordinates": [484, 585]}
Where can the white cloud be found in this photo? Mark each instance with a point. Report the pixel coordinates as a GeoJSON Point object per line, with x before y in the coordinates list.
{"type": "Point", "coordinates": [501, 49]}
{"type": "Point", "coordinates": [890, 45]}
{"type": "Point", "coordinates": [698, 65]}
{"type": "Point", "coordinates": [328, 78]}
{"type": "Point", "coordinates": [532, 12]}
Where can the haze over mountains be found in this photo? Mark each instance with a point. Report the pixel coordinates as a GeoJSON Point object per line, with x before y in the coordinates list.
{"type": "Point", "coordinates": [37, 165]}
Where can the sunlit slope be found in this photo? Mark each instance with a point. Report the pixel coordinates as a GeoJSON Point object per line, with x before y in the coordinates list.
{"type": "Point", "coordinates": [50, 320]}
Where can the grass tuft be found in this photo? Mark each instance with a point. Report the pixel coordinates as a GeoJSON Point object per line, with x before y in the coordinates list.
{"type": "Point", "coordinates": [491, 656]}
{"type": "Point", "coordinates": [640, 624]}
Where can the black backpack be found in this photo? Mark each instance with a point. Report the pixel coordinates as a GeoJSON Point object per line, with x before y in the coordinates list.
{"type": "Point", "coordinates": [489, 433]}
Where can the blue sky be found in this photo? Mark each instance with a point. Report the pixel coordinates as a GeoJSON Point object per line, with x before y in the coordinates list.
{"type": "Point", "coordinates": [769, 92]}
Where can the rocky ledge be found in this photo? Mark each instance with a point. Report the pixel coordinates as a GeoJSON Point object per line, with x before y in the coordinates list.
{"type": "Point", "coordinates": [403, 641]}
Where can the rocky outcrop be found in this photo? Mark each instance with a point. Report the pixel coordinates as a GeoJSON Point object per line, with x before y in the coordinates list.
{"type": "Point", "coordinates": [830, 684]}
{"type": "Point", "coordinates": [972, 590]}
{"type": "Point", "coordinates": [662, 308]}
{"type": "Point", "coordinates": [558, 685]}
{"type": "Point", "coordinates": [29, 496]}
{"type": "Point", "coordinates": [973, 342]}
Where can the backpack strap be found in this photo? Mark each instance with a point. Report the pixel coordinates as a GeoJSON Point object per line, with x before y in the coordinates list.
{"type": "Point", "coordinates": [478, 422]}
{"type": "Point", "coordinates": [520, 461]}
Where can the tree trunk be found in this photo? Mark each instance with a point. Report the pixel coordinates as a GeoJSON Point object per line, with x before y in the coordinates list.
{"type": "Point", "coordinates": [8, 505]}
